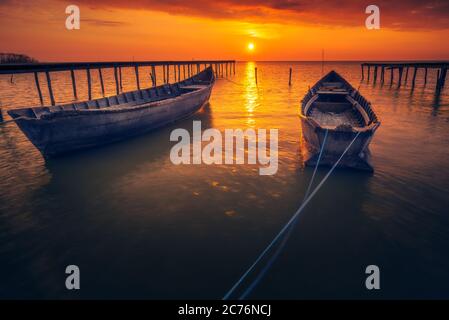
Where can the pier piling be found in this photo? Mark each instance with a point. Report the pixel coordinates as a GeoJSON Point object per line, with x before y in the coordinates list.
{"type": "Point", "coordinates": [89, 84]}
{"type": "Point", "coordinates": [50, 89]}
{"type": "Point", "coordinates": [38, 87]}
{"type": "Point", "coordinates": [120, 75]}
{"type": "Point", "coordinates": [441, 68]}
{"type": "Point", "coordinates": [153, 73]}
{"type": "Point", "coordinates": [400, 70]}
{"type": "Point", "coordinates": [72, 75]}
{"type": "Point", "coordinates": [101, 81]}
{"type": "Point", "coordinates": [375, 74]}
{"type": "Point", "coordinates": [117, 89]}
{"type": "Point", "coordinates": [414, 77]}
{"type": "Point", "coordinates": [136, 72]}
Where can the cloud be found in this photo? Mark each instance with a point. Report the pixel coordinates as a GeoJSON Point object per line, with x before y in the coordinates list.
{"type": "Point", "coordinates": [403, 15]}
{"type": "Point", "coordinates": [103, 23]}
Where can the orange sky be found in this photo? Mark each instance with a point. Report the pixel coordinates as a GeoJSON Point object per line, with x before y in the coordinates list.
{"type": "Point", "coordinates": [179, 30]}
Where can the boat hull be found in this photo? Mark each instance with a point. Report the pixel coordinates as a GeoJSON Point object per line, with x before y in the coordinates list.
{"type": "Point", "coordinates": [90, 128]}
{"type": "Point", "coordinates": [357, 156]}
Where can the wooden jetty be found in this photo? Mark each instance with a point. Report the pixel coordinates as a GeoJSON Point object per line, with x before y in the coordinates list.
{"type": "Point", "coordinates": [222, 68]}
{"type": "Point", "coordinates": [441, 68]}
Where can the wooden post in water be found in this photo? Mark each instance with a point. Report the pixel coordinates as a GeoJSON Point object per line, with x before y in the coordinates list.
{"type": "Point", "coordinates": [136, 72]}
{"type": "Point", "coordinates": [425, 76]}
{"type": "Point", "coordinates": [400, 69]}
{"type": "Point", "coordinates": [101, 81]}
{"type": "Point", "coordinates": [227, 70]}
{"type": "Point", "coordinates": [117, 89]}
{"type": "Point", "coordinates": [441, 79]}
{"type": "Point", "coordinates": [414, 77]}
{"type": "Point", "coordinates": [290, 77]}
{"type": "Point", "coordinates": [188, 69]}
{"type": "Point", "coordinates": [89, 84]}
{"type": "Point", "coordinates": [375, 74]}
{"type": "Point", "coordinates": [406, 76]}
{"type": "Point", "coordinates": [233, 66]}
{"type": "Point", "coordinates": [363, 72]}
{"type": "Point", "coordinates": [391, 76]}
{"type": "Point", "coordinates": [174, 72]}
{"type": "Point", "coordinates": [38, 87]}
{"type": "Point", "coordinates": [153, 72]}
{"type": "Point", "coordinates": [255, 74]}
{"type": "Point", "coordinates": [197, 68]}
{"type": "Point", "coordinates": [168, 73]}
{"type": "Point", "coordinates": [179, 72]}
{"type": "Point", "coordinates": [163, 72]}
{"type": "Point", "coordinates": [120, 74]}
{"type": "Point", "coordinates": [72, 75]}
{"type": "Point", "coordinates": [50, 90]}
{"type": "Point", "coordinates": [184, 70]}
{"type": "Point", "coordinates": [369, 72]}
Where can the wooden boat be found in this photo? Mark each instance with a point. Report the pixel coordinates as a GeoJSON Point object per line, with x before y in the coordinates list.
{"type": "Point", "coordinates": [60, 129]}
{"type": "Point", "coordinates": [333, 104]}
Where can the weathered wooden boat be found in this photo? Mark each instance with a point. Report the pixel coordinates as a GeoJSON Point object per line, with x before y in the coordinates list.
{"type": "Point", "coordinates": [60, 129]}
{"type": "Point", "coordinates": [333, 104]}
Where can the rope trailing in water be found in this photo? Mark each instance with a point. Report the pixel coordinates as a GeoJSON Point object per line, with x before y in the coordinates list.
{"type": "Point", "coordinates": [290, 229]}
{"type": "Point", "coordinates": [285, 228]}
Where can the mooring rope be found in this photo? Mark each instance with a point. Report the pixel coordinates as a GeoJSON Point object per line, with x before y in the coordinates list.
{"type": "Point", "coordinates": [286, 227]}
{"type": "Point", "coordinates": [290, 229]}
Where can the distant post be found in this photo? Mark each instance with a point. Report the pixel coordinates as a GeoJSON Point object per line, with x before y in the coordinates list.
{"type": "Point", "coordinates": [290, 77]}
{"type": "Point", "coordinates": [72, 74]}
{"type": "Point", "coordinates": [425, 76]}
{"type": "Point", "coordinates": [363, 72]}
{"type": "Point", "coordinates": [255, 74]}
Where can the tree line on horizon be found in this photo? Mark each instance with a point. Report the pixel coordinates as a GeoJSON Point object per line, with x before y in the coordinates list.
{"type": "Point", "coordinates": [16, 58]}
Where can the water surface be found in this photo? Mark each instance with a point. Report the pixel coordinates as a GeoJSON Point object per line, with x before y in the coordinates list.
{"type": "Point", "coordinates": [140, 227]}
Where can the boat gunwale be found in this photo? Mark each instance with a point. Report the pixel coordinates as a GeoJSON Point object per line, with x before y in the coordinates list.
{"type": "Point", "coordinates": [116, 108]}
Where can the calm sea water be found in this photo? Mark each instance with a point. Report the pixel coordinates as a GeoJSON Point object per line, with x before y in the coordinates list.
{"type": "Point", "coordinates": [140, 227]}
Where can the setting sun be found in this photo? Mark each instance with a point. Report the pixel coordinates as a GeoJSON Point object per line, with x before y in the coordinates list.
{"type": "Point", "coordinates": [250, 46]}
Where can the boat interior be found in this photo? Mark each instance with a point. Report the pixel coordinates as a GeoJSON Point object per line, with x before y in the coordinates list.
{"type": "Point", "coordinates": [125, 99]}
{"type": "Point", "coordinates": [334, 107]}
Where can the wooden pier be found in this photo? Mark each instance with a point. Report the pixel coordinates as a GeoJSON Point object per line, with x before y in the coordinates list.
{"type": "Point", "coordinates": [222, 68]}
{"type": "Point", "coordinates": [440, 67]}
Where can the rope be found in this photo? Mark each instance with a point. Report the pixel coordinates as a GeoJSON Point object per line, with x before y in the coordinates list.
{"type": "Point", "coordinates": [287, 225]}
{"type": "Point", "coordinates": [287, 236]}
